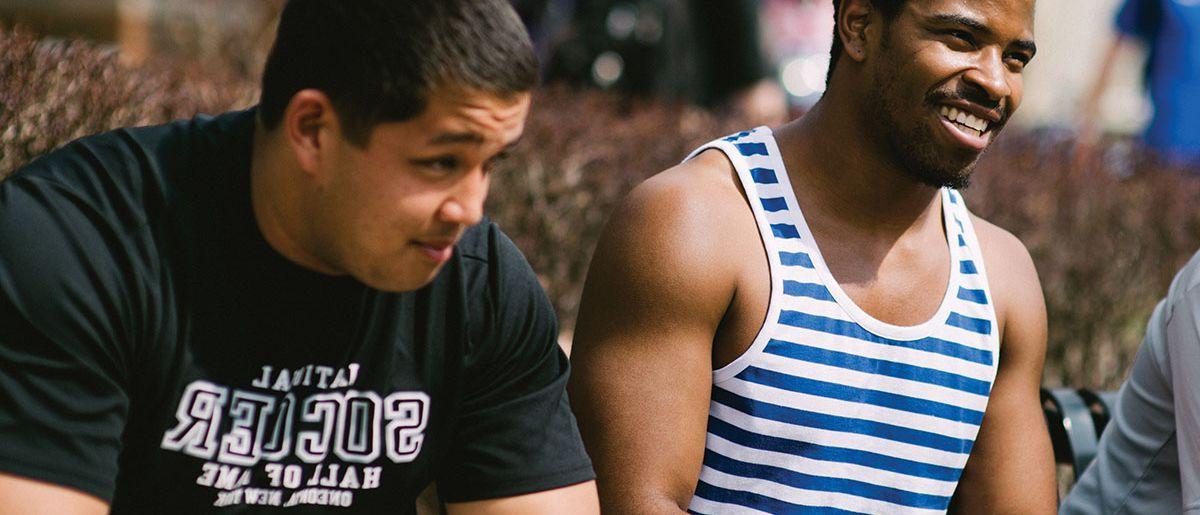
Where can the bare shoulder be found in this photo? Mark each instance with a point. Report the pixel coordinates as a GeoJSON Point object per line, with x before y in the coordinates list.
{"type": "Point", "coordinates": [1012, 276]}
{"type": "Point", "coordinates": [685, 215]}
{"type": "Point", "coordinates": [1004, 254]}
{"type": "Point", "coordinates": [700, 190]}
{"type": "Point", "coordinates": [669, 247]}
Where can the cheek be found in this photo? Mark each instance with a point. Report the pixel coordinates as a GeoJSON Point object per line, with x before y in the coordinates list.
{"type": "Point", "coordinates": [403, 211]}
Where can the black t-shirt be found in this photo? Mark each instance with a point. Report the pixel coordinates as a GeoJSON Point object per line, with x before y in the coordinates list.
{"type": "Point", "coordinates": [156, 352]}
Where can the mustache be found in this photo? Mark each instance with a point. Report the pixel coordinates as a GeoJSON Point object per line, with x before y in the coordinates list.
{"type": "Point", "coordinates": [964, 92]}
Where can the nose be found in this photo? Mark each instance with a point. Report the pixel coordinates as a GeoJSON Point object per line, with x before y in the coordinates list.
{"type": "Point", "coordinates": [465, 204]}
{"type": "Point", "coordinates": [990, 75]}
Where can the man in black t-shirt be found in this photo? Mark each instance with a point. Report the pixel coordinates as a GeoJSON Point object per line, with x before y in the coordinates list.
{"type": "Point", "coordinates": [293, 308]}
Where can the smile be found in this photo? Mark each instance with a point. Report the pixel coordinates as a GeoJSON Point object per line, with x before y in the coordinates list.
{"type": "Point", "coordinates": [969, 130]}
{"type": "Point", "coordinates": [965, 120]}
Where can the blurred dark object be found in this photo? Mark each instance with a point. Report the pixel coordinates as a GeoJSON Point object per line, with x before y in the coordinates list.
{"type": "Point", "coordinates": [704, 52]}
{"type": "Point", "coordinates": [532, 12]}
{"type": "Point", "coordinates": [54, 91]}
{"type": "Point", "coordinates": [1073, 430]}
{"type": "Point", "coordinates": [1106, 247]}
{"type": "Point", "coordinates": [1076, 419]}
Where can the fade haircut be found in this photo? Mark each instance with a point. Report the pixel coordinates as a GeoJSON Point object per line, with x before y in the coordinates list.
{"type": "Point", "coordinates": [378, 60]}
{"type": "Point", "coordinates": [888, 8]}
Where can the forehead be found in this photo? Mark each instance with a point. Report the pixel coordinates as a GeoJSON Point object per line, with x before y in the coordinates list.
{"type": "Point", "coordinates": [476, 110]}
{"type": "Point", "coordinates": [454, 116]}
{"type": "Point", "coordinates": [1007, 18]}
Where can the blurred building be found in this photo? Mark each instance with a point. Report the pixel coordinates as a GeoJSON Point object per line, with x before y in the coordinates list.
{"type": "Point", "coordinates": [230, 34]}
{"type": "Point", "coordinates": [92, 19]}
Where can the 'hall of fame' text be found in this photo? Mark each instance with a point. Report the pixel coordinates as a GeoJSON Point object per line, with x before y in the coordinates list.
{"type": "Point", "coordinates": [265, 445]}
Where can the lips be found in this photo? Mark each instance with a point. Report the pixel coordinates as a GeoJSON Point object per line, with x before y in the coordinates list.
{"type": "Point", "coordinates": [967, 129]}
{"type": "Point", "coordinates": [437, 251]}
{"type": "Point", "coordinates": [967, 120]}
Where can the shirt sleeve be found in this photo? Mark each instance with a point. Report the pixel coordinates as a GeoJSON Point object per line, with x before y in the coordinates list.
{"type": "Point", "coordinates": [1183, 347]}
{"type": "Point", "coordinates": [516, 433]}
{"type": "Point", "coordinates": [1138, 18]}
{"type": "Point", "coordinates": [62, 401]}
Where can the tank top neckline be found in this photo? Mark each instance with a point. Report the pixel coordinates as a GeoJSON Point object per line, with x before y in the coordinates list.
{"type": "Point", "coordinates": [856, 313]}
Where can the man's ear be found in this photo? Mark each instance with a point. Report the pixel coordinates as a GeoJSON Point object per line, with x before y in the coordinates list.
{"type": "Point", "coordinates": [310, 127]}
{"type": "Point", "coordinates": [854, 20]}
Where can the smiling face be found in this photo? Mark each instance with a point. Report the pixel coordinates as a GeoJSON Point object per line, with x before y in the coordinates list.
{"type": "Point", "coordinates": [946, 79]}
{"type": "Point", "coordinates": [390, 213]}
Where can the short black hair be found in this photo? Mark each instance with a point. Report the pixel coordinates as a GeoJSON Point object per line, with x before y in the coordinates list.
{"type": "Point", "coordinates": [889, 9]}
{"type": "Point", "coordinates": [377, 60]}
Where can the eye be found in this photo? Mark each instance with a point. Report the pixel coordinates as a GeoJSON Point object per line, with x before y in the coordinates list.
{"type": "Point", "coordinates": [440, 164]}
{"type": "Point", "coordinates": [962, 36]}
{"type": "Point", "coordinates": [1017, 61]}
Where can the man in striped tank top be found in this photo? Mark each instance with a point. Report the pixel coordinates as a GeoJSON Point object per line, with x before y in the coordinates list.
{"type": "Point", "coordinates": [809, 319]}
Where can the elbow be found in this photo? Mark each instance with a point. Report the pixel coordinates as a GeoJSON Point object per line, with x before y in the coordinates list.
{"type": "Point", "coordinates": [643, 501]}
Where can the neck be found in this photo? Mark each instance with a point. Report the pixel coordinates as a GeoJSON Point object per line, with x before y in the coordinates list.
{"type": "Point", "coordinates": [842, 172]}
{"type": "Point", "coordinates": [277, 200]}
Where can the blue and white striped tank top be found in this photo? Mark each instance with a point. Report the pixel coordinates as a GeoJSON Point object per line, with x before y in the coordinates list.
{"type": "Point", "coordinates": [831, 410]}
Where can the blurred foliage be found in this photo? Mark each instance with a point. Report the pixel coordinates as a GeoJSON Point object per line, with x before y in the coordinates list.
{"type": "Point", "coordinates": [1107, 228]}
{"type": "Point", "coordinates": [54, 91]}
{"type": "Point", "coordinates": [1106, 247]}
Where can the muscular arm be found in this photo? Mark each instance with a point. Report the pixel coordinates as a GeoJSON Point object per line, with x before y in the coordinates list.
{"type": "Point", "coordinates": [28, 497]}
{"type": "Point", "coordinates": [655, 294]}
{"type": "Point", "coordinates": [1011, 468]}
{"type": "Point", "coordinates": [580, 499]}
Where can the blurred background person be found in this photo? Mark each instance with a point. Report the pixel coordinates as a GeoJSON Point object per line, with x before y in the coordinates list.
{"type": "Point", "coordinates": [1169, 32]}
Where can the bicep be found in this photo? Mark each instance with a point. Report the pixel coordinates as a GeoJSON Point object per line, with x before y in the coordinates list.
{"type": "Point", "coordinates": [1012, 452]}
{"type": "Point", "coordinates": [579, 498]}
{"type": "Point", "coordinates": [25, 496]}
{"type": "Point", "coordinates": [643, 357]}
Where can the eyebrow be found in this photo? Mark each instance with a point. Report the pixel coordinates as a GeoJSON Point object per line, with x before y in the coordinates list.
{"type": "Point", "coordinates": [449, 138]}
{"type": "Point", "coordinates": [977, 26]}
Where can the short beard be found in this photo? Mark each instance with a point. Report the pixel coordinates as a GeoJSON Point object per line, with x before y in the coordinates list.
{"type": "Point", "coordinates": [920, 160]}
{"type": "Point", "coordinates": [913, 146]}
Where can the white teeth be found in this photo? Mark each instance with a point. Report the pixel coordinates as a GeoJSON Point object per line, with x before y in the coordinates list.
{"type": "Point", "coordinates": [978, 125]}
